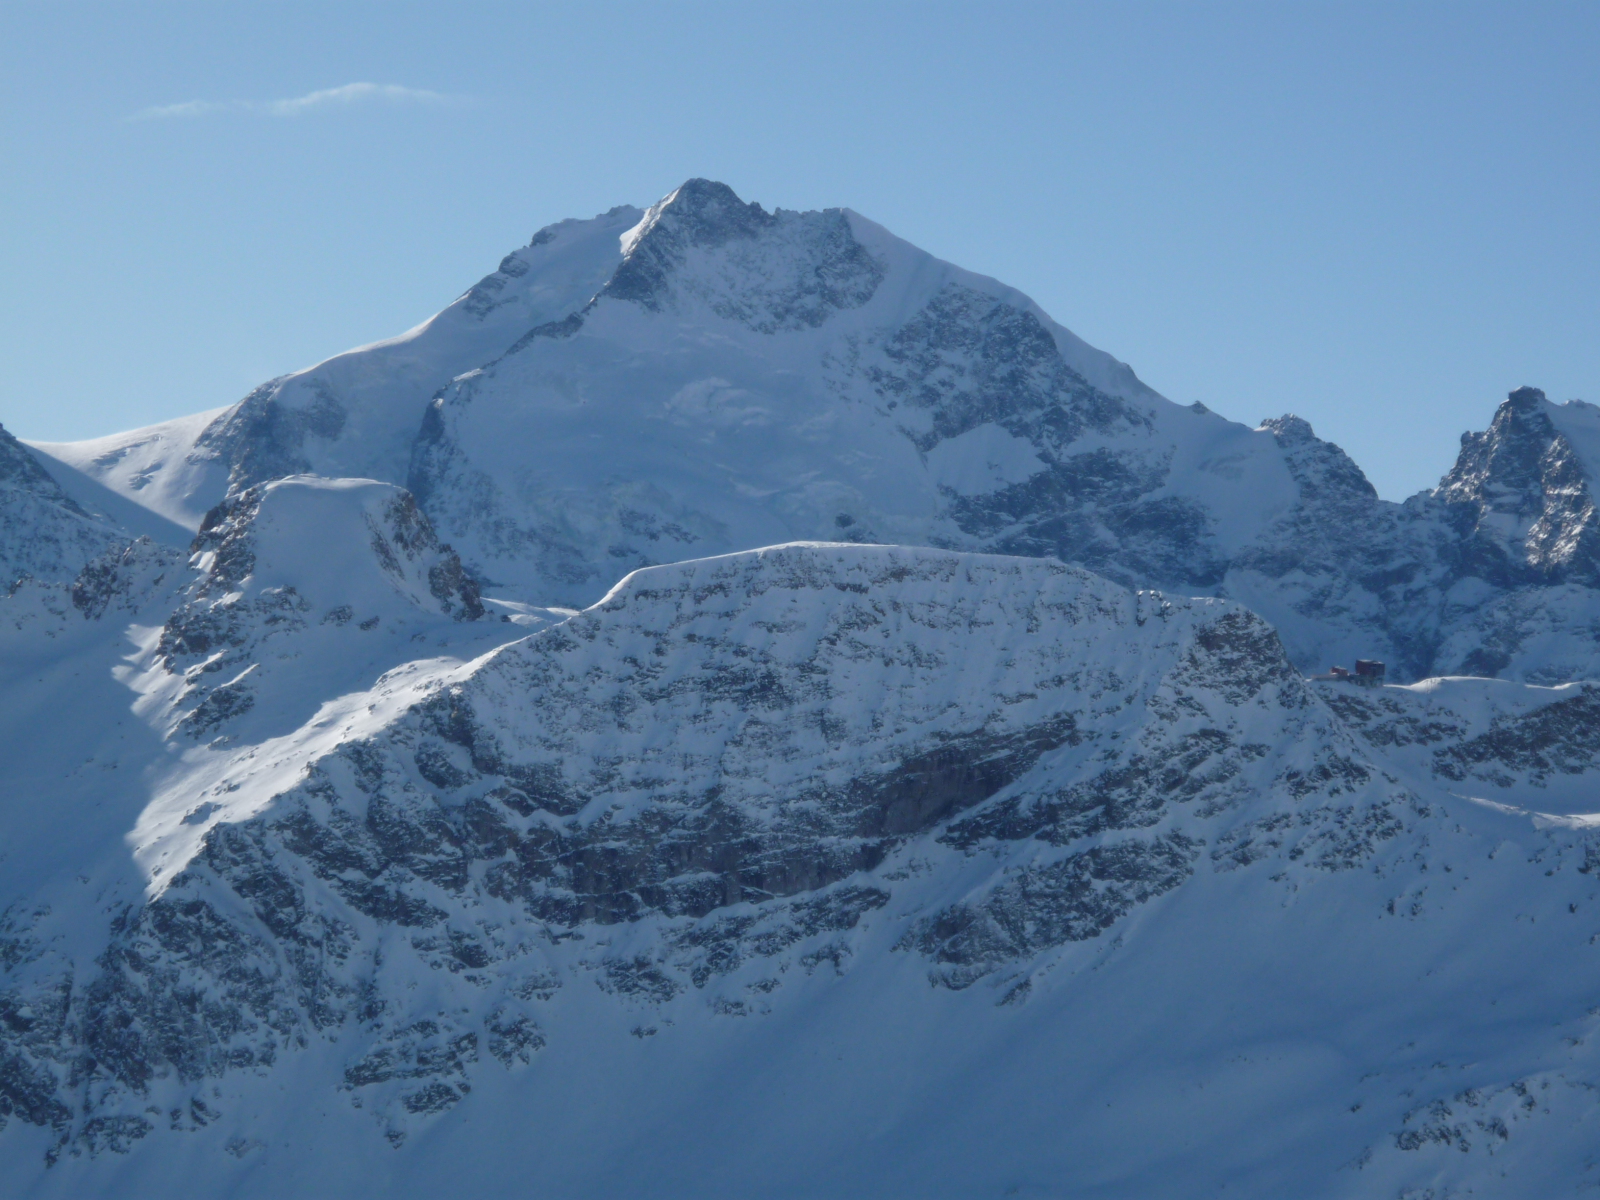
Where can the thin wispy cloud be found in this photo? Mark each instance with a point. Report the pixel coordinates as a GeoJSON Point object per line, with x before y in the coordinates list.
{"type": "Point", "coordinates": [354, 93]}
{"type": "Point", "coordinates": [189, 108]}
{"type": "Point", "coordinates": [347, 96]}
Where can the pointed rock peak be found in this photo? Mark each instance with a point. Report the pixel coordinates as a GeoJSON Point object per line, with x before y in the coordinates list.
{"type": "Point", "coordinates": [1289, 429]}
{"type": "Point", "coordinates": [700, 213]}
{"type": "Point", "coordinates": [1522, 492]}
{"type": "Point", "coordinates": [1523, 417]}
{"type": "Point", "coordinates": [1525, 399]}
{"type": "Point", "coordinates": [767, 271]}
{"type": "Point", "coordinates": [336, 544]}
{"type": "Point", "coordinates": [1507, 458]}
{"type": "Point", "coordinates": [1322, 470]}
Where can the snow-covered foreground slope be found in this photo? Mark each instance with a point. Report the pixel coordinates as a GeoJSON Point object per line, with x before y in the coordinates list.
{"type": "Point", "coordinates": [707, 376]}
{"type": "Point", "coordinates": [818, 870]}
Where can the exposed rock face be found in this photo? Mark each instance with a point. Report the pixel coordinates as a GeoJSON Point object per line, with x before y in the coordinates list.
{"type": "Point", "coordinates": [44, 533]}
{"type": "Point", "coordinates": [703, 243]}
{"type": "Point", "coordinates": [732, 782]}
{"type": "Point", "coordinates": [744, 757]}
{"type": "Point", "coordinates": [968, 361]}
{"type": "Point", "coordinates": [1524, 564]}
{"type": "Point", "coordinates": [301, 529]}
{"type": "Point", "coordinates": [125, 580]}
{"type": "Point", "coordinates": [1523, 501]}
{"type": "Point", "coordinates": [62, 563]}
{"type": "Point", "coordinates": [340, 556]}
{"type": "Point", "coordinates": [1538, 748]}
{"type": "Point", "coordinates": [263, 438]}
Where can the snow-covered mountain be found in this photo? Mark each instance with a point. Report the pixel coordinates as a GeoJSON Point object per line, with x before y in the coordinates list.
{"type": "Point", "coordinates": [860, 840]}
{"type": "Point", "coordinates": [707, 376]}
{"type": "Point", "coordinates": [705, 847]}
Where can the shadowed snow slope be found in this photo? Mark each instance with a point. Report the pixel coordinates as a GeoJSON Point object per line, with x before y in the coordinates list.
{"type": "Point", "coordinates": [44, 533]}
{"type": "Point", "coordinates": [822, 869]}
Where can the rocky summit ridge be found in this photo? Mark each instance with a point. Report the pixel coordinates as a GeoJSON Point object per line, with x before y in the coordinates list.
{"type": "Point", "coordinates": [736, 706]}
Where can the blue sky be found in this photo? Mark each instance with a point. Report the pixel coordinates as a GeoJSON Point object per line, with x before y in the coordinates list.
{"type": "Point", "coordinates": [1381, 217]}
